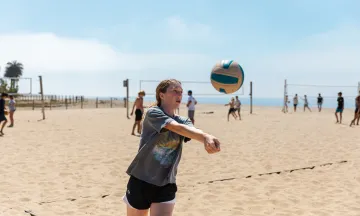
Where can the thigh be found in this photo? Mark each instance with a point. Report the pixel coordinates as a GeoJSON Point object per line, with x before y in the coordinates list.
{"type": "Point", "coordinates": [137, 194]}
{"type": "Point", "coordinates": [162, 209]}
{"type": "Point", "coordinates": [135, 212]}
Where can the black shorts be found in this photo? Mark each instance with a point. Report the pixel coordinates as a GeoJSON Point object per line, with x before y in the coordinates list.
{"type": "Point", "coordinates": [140, 195]}
{"type": "Point", "coordinates": [2, 117]}
{"type": "Point", "coordinates": [295, 105]}
{"type": "Point", "coordinates": [356, 110]}
{"type": "Point", "coordinates": [231, 110]}
{"type": "Point", "coordinates": [138, 115]}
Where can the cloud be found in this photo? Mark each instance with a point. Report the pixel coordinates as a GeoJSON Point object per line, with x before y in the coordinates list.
{"type": "Point", "coordinates": [327, 58]}
{"type": "Point", "coordinates": [179, 30]}
{"type": "Point", "coordinates": [50, 53]}
{"type": "Point", "coordinates": [91, 67]}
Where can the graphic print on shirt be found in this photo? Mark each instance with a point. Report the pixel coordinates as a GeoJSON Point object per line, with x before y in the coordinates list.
{"type": "Point", "coordinates": [165, 151]}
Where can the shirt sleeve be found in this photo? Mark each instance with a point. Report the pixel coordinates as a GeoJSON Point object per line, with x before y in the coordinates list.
{"type": "Point", "coordinates": [157, 119]}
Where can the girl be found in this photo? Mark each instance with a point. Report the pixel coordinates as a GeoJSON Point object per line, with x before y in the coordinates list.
{"type": "Point", "coordinates": [12, 109]}
{"type": "Point", "coordinates": [152, 184]}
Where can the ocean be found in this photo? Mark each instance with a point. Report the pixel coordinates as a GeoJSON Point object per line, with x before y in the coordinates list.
{"type": "Point", "coordinates": [273, 102]}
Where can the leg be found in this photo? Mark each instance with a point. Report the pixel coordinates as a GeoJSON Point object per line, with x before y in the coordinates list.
{"type": "Point", "coordinates": [340, 117]}
{"type": "Point", "coordinates": [135, 212]}
{"type": "Point", "coordinates": [133, 129]}
{"type": "Point", "coordinates": [358, 119]}
{"type": "Point", "coordinates": [239, 114]}
{"type": "Point", "coordinates": [11, 119]}
{"type": "Point", "coordinates": [2, 127]}
{"type": "Point", "coordinates": [138, 127]}
{"type": "Point", "coordinates": [162, 209]}
{"type": "Point", "coordinates": [337, 118]}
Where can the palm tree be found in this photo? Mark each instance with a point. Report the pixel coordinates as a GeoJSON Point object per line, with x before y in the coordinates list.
{"type": "Point", "coordinates": [13, 69]}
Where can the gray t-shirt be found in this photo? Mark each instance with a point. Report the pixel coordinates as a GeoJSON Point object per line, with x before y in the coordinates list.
{"type": "Point", "coordinates": [160, 149]}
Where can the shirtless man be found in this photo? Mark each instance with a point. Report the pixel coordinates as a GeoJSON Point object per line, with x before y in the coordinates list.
{"type": "Point", "coordinates": [139, 104]}
{"type": "Point", "coordinates": [231, 109]}
{"type": "Point", "coordinates": [357, 111]}
{"type": "Point", "coordinates": [295, 102]}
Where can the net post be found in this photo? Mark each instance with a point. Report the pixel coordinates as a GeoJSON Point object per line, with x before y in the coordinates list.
{"type": "Point", "coordinates": [126, 85]}
{"type": "Point", "coordinates": [42, 97]}
{"type": "Point", "coordinates": [251, 97]}
{"type": "Point", "coordinates": [285, 92]}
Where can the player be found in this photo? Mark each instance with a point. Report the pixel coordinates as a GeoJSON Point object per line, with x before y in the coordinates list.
{"type": "Point", "coordinates": [340, 107]}
{"type": "Point", "coordinates": [286, 101]}
{"type": "Point", "coordinates": [152, 183]}
{"type": "Point", "coordinates": [12, 109]}
{"type": "Point", "coordinates": [357, 111]}
{"type": "Point", "coordinates": [238, 106]}
{"type": "Point", "coordinates": [295, 102]}
{"type": "Point", "coordinates": [139, 104]}
{"type": "Point", "coordinates": [231, 109]}
{"type": "Point", "coordinates": [306, 103]}
{"type": "Point", "coordinates": [191, 106]}
{"type": "Point", "coordinates": [320, 102]}
{"type": "Point", "coordinates": [3, 119]}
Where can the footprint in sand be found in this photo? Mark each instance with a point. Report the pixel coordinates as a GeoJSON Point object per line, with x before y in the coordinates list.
{"type": "Point", "coordinates": [25, 199]}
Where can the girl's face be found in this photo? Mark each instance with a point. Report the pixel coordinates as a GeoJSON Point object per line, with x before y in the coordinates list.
{"type": "Point", "coordinates": [173, 96]}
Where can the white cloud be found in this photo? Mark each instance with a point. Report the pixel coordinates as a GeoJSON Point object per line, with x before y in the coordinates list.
{"type": "Point", "coordinates": [50, 53]}
{"type": "Point", "coordinates": [328, 58]}
{"type": "Point", "coordinates": [181, 31]}
{"type": "Point", "coordinates": [78, 63]}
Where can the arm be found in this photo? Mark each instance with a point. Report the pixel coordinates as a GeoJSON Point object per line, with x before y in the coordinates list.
{"type": "Point", "coordinates": [188, 103]}
{"type": "Point", "coordinates": [212, 145]}
{"type": "Point", "coordinates": [132, 112]}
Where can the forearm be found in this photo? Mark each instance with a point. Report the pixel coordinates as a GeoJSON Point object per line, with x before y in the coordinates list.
{"type": "Point", "coordinates": [187, 131]}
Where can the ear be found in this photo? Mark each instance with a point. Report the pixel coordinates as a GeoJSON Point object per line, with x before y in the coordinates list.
{"type": "Point", "coordinates": [161, 95]}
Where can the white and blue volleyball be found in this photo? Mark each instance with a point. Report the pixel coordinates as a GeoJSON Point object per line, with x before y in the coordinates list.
{"type": "Point", "coordinates": [227, 76]}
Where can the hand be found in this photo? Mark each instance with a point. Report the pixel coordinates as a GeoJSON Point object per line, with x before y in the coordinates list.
{"type": "Point", "coordinates": [131, 113]}
{"type": "Point", "coordinates": [211, 144]}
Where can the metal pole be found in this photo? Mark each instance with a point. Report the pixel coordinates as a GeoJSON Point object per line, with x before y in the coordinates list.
{"type": "Point", "coordinates": [285, 93]}
{"type": "Point", "coordinates": [42, 97]}
{"type": "Point", "coordinates": [127, 98]}
{"type": "Point", "coordinates": [251, 101]}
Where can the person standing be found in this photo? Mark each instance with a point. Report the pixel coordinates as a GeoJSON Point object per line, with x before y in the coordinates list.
{"type": "Point", "coordinates": [191, 107]}
{"type": "Point", "coordinates": [320, 102]}
{"type": "Point", "coordinates": [238, 106]}
{"type": "Point", "coordinates": [152, 183]}
{"type": "Point", "coordinates": [340, 107]}
{"type": "Point", "coordinates": [139, 111]}
{"type": "Point", "coordinates": [295, 102]}
{"type": "Point", "coordinates": [12, 109]}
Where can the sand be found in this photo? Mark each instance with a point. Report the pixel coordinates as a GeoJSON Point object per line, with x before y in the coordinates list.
{"type": "Point", "coordinates": [74, 163]}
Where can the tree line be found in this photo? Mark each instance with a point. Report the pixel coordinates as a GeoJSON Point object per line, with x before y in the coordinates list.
{"type": "Point", "coordinates": [13, 71]}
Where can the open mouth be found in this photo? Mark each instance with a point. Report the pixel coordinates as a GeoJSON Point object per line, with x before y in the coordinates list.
{"type": "Point", "coordinates": [178, 101]}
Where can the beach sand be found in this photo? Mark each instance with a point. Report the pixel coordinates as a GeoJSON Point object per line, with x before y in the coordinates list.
{"type": "Point", "coordinates": [74, 164]}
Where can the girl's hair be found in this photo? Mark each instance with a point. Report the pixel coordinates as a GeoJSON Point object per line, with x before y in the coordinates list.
{"type": "Point", "coordinates": [162, 87]}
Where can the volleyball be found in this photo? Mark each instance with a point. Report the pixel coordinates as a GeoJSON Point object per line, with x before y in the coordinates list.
{"type": "Point", "coordinates": [227, 76]}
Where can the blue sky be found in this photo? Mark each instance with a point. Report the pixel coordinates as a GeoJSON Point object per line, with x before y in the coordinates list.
{"type": "Point", "coordinates": [90, 47]}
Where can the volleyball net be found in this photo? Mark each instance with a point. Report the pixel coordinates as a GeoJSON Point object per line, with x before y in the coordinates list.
{"type": "Point", "coordinates": [329, 93]}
